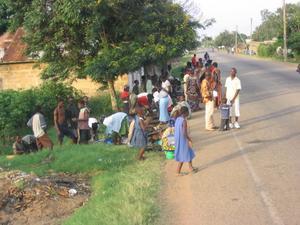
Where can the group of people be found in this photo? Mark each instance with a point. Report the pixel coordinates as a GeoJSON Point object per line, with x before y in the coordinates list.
{"type": "Point", "coordinates": [71, 121]}
{"type": "Point", "coordinates": [202, 84]}
{"type": "Point", "coordinates": [154, 96]}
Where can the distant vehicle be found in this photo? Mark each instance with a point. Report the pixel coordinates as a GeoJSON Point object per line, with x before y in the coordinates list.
{"type": "Point", "coordinates": [298, 68]}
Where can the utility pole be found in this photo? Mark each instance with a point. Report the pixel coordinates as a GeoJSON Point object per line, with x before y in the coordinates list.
{"type": "Point", "coordinates": [251, 24]}
{"type": "Point", "coordinates": [285, 51]}
{"type": "Point", "coordinates": [236, 40]}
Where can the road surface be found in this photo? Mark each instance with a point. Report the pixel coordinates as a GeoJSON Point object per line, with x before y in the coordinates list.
{"type": "Point", "coordinates": [249, 176]}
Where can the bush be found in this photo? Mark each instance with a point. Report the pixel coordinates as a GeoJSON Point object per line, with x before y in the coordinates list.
{"type": "Point", "coordinates": [19, 106]}
{"type": "Point", "coordinates": [101, 105]}
{"type": "Point", "coordinates": [265, 50]}
{"type": "Point", "coordinates": [178, 72]}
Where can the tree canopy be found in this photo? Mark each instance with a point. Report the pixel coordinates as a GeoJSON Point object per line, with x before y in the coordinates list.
{"type": "Point", "coordinates": [5, 15]}
{"type": "Point", "coordinates": [227, 39]}
{"type": "Point", "coordinates": [272, 23]}
{"type": "Point", "coordinates": [103, 38]}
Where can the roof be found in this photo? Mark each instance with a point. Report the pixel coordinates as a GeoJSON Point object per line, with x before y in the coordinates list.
{"type": "Point", "coordinates": [13, 46]}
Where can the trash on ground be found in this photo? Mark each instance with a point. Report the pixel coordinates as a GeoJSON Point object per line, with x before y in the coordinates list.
{"type": "Point", "coordinates": [29, 199]}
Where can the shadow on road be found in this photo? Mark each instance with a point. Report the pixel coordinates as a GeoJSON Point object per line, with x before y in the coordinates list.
{"type": "Point", "coordinates": [251, 148]}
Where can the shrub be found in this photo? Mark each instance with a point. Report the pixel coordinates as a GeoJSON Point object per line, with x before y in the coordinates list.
{"type": "Point", "coordinates": [267, 50]}
{"type": "Point", "coordinates": [178, 72]}
{"type": "Point", "coordinates": [101, 105]}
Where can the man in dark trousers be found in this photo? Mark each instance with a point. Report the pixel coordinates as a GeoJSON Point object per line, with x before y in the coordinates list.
{"type": "Point", "coordinates": [61, 124]}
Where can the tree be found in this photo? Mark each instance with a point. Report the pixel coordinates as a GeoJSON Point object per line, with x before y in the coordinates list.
{"type": "Point", "coordinates": [207, 41]}
{"type": "Point", "coordinates": [227, 39]}
{"type": "Point", "coordinates": [103, 39]}
{"type": "Point", "coordinates": [272, 24]}
{"type": "Point", "coordinates": [269, 28]}
{"type": "Point", "coordinates": [4, 17]}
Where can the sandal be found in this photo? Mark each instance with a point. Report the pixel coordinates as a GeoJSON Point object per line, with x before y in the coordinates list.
{"type": "Point", "coordinates": [194, 170]}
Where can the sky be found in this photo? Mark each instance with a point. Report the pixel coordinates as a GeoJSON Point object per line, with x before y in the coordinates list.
{"type": "Point", "coordinates": [232, 13]}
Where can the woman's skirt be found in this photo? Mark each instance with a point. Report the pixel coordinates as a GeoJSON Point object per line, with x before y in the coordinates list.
{"type": "Point", "coordinates": [163, 109]}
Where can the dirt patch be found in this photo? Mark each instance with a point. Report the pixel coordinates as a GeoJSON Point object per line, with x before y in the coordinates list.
{"type": "Point", "coordinates": [29, 199]}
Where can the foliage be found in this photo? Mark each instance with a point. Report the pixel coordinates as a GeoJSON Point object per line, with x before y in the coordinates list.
{"type": "Point", "coordinates": [207, 42]}
{"type": "Point", "coordinates": [272, 26]}
{"type": "Point", "coordinates": [18, 106]}
{"type": "Point", "coordinates": [266, 50]}
{"type": "Point", "coordinates": [124, 190]}
{"type": "Point", "coordinates": [103, 39]}
{"type": "Point", "coordinates": [100, 105]}
{"type": "Point", "coordinates": [227, 39]}
{"type": "Point", "coordinates": [294, 42]}
{"type": "Point", "coordinates": [5, 13]}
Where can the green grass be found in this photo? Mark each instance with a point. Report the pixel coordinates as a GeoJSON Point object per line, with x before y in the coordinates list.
{"type": "Point", "coordinates": [124, 191]}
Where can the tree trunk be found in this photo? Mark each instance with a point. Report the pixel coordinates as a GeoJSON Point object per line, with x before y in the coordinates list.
{"type": "Point", "coordinates": [113, 95]}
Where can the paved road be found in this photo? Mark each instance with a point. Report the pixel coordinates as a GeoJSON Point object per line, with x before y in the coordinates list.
{"type": "Point", "coordinates": [249, 176]}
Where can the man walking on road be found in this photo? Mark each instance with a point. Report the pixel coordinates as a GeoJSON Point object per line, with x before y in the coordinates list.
{"type": "Point", "coordinates": [233, 88]}
{"type": "Point", "coordinates": [207, 95]}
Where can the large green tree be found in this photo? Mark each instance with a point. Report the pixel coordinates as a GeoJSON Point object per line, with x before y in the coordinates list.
{"type": "Point", "coordinates": [103, 38]}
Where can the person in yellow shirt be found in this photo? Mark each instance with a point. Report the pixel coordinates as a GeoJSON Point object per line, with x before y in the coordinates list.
{"type": "Point", "coordinates": [207, 96]}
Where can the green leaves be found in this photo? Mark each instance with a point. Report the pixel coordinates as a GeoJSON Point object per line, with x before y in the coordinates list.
{"type": "Point", "coordinates": [103, 38]}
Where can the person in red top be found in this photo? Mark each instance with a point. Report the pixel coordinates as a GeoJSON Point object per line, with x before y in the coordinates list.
{"type": "Point", "coordinates": [194, 60]}
{"type": "Point", "coordinates": [145, 100]}
{"type": "Point", "coordinates": [125, 98]}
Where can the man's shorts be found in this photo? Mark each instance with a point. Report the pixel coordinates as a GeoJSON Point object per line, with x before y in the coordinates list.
{"type": "Point", "coordinates": [235, 109]}
{"type": "Point", "coordinates": [65, 131]}
{"type": "Point", "coordinates": [44, 142]}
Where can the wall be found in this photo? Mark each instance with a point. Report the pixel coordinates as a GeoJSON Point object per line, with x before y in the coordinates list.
{"type": "Point", "coordinates": [25, 75]}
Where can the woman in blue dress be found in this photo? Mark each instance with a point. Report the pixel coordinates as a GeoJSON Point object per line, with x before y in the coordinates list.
{"type": "Point", "coordinates": [164, 100]}
{"type": "Point", "coordinates": [139, 137]}
{"type": "Point", "coordinates": [183, 143]}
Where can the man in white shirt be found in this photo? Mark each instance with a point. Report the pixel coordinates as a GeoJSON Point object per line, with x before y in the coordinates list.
{"type": "Point", "coordinates": [233, 88]}
{"type": "Point", "coordinates": [38, 125]}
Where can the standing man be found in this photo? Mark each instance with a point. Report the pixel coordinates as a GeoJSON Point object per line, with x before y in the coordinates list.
{"type": "Point", "coordinates": [72, 113]}
{"type": "Point", "coordinates": [83, 123]}
{"type": "Point", "coordinates": [136, 88]}
{"type": "Point", "coordinates": [233, 88]}
{"type": "Point", "coordinates": [207, 96]}
{"type": "Point", "coordinates": [194, 60]}
{"type": "Point", "coordinates": [38, 125]}
{"type": "Point", "coordinates": [61, 125]}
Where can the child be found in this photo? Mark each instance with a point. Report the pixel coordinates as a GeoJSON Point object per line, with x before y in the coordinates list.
{"type": "Point", "coordinates": [183, 150]}
{"type": "Point", "coordinates": [139, 137]}
{"type": "Point", "coordinates": [225, 113]}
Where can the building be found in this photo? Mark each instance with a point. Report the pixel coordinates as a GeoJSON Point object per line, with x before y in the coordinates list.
{"type": "Point", "coordinates": [18, 71]}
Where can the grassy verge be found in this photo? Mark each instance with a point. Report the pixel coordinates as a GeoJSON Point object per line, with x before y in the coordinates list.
{"type": "Point", "coordinates": [124, 191]}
